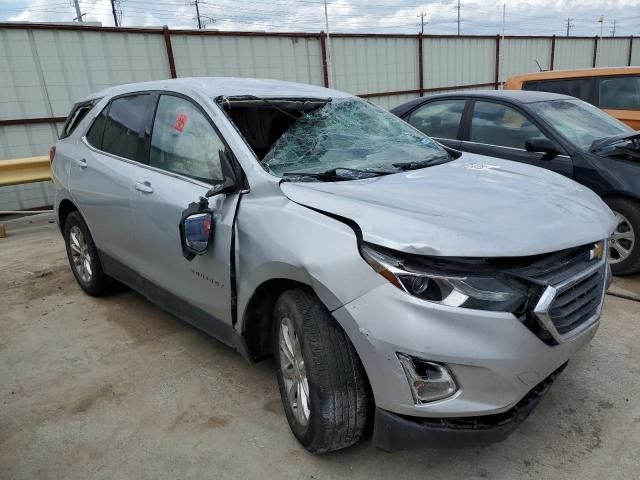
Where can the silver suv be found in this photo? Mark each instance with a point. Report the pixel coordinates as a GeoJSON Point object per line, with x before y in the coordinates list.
{"type": "Point", "coordinates": [432, 293]}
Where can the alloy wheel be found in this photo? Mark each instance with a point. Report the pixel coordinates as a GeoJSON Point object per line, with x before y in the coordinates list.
{"type": "Point", "coordinates": [622, 240]}
{"type": "Point", "coordinates": [294, 372]}
{"type": "Point", "coordinates": [80, 254]}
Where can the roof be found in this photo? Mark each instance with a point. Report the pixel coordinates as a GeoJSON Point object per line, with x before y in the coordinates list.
{"type": "Point", "coordinates": [514, 96]}
{"type": "Point", "coordinates": [515, 81]}
{"type": "Point", "coordinates": [228, 86]}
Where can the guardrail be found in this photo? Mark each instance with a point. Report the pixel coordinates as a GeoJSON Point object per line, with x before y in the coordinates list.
{"type": "Point", "coordinates": [24, 170]}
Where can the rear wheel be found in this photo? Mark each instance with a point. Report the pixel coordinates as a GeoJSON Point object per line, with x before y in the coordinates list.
{"type": "Point", "coordinates": [83, 257]}
{"type": "Point", "coordinates": [322, 382]}
{"type": "Point", "coordinates": [624, 244]}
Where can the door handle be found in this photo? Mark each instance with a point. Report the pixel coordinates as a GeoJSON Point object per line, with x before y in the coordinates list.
{"type": "Point", "coordinates": [144, 187]}
{"type": "Point", "coordinates": [82, 163]}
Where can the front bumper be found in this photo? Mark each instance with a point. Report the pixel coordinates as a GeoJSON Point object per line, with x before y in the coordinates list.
{"type": "Point", "coordinates": [394, 432]}
{"type": "Point", "coordinates": [495, 359]}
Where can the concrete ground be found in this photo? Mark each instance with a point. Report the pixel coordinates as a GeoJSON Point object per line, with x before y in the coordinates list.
{"type": "Point", "coordinates": [114, 388]}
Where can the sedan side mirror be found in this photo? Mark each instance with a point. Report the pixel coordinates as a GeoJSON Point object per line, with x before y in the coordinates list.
{"type": "Point", "coordinates": [541, 145]}
{"type": "Point", "coordinates": [196, 229]}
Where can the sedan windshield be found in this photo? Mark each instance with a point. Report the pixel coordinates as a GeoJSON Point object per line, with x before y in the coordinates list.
{"type": "Point", "coordinates": [579, 122]}
{"type": "Point", "coordinates": [353, 139]}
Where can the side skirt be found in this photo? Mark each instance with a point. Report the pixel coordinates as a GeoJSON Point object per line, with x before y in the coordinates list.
{"type": "Point", "coordinates": [173, 304]}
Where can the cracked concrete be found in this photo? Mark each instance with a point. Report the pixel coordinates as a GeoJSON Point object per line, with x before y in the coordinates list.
{"type": "Point", "coordinates": [114, 388]}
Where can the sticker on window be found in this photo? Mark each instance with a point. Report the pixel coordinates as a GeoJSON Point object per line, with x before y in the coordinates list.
{"type": "Point", "coordinates": [181, 122]}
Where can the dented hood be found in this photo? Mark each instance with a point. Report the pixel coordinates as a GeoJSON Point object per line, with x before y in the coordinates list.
{"type": "Point", "coordinates": [475, 206]}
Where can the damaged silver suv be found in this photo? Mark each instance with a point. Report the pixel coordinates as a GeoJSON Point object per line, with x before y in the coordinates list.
{"type": "Point", "coordinates": [433, 294]}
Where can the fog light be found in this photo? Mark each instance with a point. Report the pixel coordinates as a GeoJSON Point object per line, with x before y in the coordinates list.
{"type": "Point", "coordinates": [429, 381]}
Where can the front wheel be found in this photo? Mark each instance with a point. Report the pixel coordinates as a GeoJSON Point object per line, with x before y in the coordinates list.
{"type": "Point", "coordinates": [624, 244]}
{"type": "Point", "coordinates": [322, 381]}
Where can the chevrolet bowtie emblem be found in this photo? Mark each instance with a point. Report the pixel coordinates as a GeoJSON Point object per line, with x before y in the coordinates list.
{"type": "Point", "coordinates": [597, 251]}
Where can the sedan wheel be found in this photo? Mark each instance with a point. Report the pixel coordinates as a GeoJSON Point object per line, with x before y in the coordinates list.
{"type": "Point", "coordinates": [622, 240]}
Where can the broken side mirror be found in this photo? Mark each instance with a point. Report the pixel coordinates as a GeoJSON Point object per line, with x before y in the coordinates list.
{"type": "Point", "coordinates": [196, 229]}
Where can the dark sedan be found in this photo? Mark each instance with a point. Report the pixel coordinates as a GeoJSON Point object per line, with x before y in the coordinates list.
{"type": "Point", "coordinates": [552, 131]}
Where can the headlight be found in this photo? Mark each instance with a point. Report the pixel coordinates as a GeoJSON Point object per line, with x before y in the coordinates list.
{"type": "Point", "coordinates": [446, 282]}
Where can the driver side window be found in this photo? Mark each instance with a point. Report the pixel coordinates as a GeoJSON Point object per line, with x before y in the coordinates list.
{"type": "Point", "coordinates": [183, 141]}
{"type": "Point", "coordinates": [498, 124]}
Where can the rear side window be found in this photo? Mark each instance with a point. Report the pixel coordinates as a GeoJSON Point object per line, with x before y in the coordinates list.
{"type": "Point", "coordinates": [574, 87]}
{"type": "Point", "coordinates": [78, 112]}
{"type": "Point", "coordinates": [124, 127]}
{"type": "Point", "coordinates": [620, 93]}
{"type": "Point", "coordinates": [439, 119]}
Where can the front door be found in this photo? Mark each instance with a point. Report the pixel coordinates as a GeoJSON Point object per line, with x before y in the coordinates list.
{"type": "Point", "coordinates": [498, 130]}
{"type": "Point", "coordinates": [183, 164]}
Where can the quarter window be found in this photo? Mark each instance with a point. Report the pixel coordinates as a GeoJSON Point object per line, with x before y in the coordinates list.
{"type": "Point", "coordinates": [184, 141]}
{"type": "Point", "coordinates": [124, 127]}
{"type": "Point", "coordinates": [620, 93]}
{"type": "Point", "coordinates": [497, 124]}
{"type": "Point", "coordinates": [439, 119]}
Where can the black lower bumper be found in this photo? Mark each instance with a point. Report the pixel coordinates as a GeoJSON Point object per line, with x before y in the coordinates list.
{"type": "Point", "coordinates": [393, 432]}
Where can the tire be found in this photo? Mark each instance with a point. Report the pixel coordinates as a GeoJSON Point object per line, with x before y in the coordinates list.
{"type": "Point", "coordinates": [78, 241]}
{"type": "Point", "coordinates": [338, 391]}
{"type": "Point", "coordinates": [626, 234]}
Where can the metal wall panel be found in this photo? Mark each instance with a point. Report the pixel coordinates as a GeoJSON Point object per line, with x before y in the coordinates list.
{"type": "Point", "coordinates": [519, 55]}
{"type": "Point", "coordinates": [612, 52]}
{"type": "Point", "coordinates": [573, 53]}
{"type": "Point", "coordinates": [635, 52]}
{"type": "Point", "coordinates": [24, 197]}
{"type": "Point", "coordinates": [458, 61]}
{"type": "Point", "coordinates": [297, 59]}
{"type": "Point", "coordinates": [390, 101]}
{"type": "Point", "coordinates": [372, 65]}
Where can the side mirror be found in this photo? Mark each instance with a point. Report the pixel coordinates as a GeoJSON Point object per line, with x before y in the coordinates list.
{"type": "Point", "coordinates": [541, 145]}
{"type": "Point", "coordinates": [196, 229]}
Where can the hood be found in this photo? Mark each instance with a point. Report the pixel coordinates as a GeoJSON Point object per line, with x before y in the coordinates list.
{"type": "Point", "coordinates": [475, 206]}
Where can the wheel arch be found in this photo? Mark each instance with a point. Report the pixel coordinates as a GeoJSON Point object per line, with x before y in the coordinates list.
{"type": "Point", "coordinates": [65, 207]}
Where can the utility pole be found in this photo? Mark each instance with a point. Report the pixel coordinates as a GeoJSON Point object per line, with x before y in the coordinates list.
{"type": "Point", "coordinates": [78, 13]}
{"type": "Point", "coordinates": [329, 53]}
{"type": "Point", "coordinates": [613, 29]}
{"type": "Point", "coordinates": [569, 25]}
{"type": "Point", "coordinates": [113, 10]}
{"type": "Point", "coordinates": [601, 22]}
{"type": "Point", "coordinates": [195, 2]}
{"type": "Point", "coordinates": [422, 15]}
{"type": "Point", "coordinates": [504, 18]}
{"type": "Point", "coordinates": [458, 7]}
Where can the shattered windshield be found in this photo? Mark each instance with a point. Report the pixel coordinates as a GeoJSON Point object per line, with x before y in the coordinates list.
{"type": "Point", "coordinates": [578, 121]}
{"type": "Point", "coordinates": [353, 137]}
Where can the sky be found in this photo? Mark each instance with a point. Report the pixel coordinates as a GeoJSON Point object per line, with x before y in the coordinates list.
{"type": "Point", "coordinates": [522, 17]}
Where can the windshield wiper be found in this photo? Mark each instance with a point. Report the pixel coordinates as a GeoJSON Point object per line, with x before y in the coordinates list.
{"type": "Point", "coordinates": [332, 174]}
{"type": "Point", "coordinates": [600, 143]}
{"type": "Point", "coordinates": [416, 164]}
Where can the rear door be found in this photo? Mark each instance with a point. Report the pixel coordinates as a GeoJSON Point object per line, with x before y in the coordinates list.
{"type": "Point", "coordinates": [101, 174]}
{"type": "Point", "coordinates": [499, 130]}
{"type": "Point", "coordinates": [183, 164]}
{"type": "Point", "coordinates": [440, 119]}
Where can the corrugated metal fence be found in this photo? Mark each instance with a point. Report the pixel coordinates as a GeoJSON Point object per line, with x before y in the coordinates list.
{"type": "Point", "coordinates": [45, 68]}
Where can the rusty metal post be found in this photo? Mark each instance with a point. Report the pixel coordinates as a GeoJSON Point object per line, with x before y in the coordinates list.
{"type": "Point", "coordinates": [323, 50]}
{"type": "Point", "coordinates": [3, 231]}
{"type": "Point", "coordinates": [420, 65]}
{"type": "Point", "coordinates": [497, 79]}
{"type": "Point", "coordinates": [595, 51]}
{"type": "Point", "coordinates": [167, 44]}
{"type": "Point", "coordinates": [630, 50]}
{"type": "Point", "coordinates": [553, 52]}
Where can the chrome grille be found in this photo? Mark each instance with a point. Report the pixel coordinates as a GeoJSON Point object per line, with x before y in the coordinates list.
{"type": "Point", "coordinates": [574, 305]}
